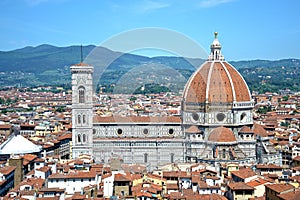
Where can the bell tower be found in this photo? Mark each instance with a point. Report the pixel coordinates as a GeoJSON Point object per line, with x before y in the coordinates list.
{"type": "Point", "coordinates": [82, 109]}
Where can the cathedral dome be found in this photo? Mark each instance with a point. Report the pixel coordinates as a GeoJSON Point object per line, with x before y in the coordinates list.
{"type": "Point", "coordinates": [216, 82]}
{"type": "Point", "coordinates": [221, 135]}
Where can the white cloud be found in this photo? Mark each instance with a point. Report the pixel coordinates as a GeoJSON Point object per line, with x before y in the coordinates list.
{"type": "Point", "coordinates": [212, 3]}
{"type": "Point", "coordinates": [149, 6]}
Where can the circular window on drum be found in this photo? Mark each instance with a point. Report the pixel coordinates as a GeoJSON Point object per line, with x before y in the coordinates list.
{"type": "Point", "coordinates": [146, 131]}
{"type": "Point", "coordinates": [195, 117]}
{"type": "Point", "coordinates": [171, 131]}
{"type": "Point", "coordinates": [221, 117]}
{"type": "Point", "coordinates": [119, 131]}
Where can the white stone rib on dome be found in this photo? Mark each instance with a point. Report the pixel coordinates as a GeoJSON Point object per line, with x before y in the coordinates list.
{"type": "Point", "coordinates": [230, 80]}
{"type": "Point", "coordinates": [17, 144]}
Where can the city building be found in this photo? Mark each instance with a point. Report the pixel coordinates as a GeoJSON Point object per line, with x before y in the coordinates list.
{"type": "Point", "coordinates": [6, 179]}
{"type": "Point", "coordinates": [216, 122]}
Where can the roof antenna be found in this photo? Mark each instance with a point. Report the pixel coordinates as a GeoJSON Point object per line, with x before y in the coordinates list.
{"type": "Point", "coordinates": [81, 55]}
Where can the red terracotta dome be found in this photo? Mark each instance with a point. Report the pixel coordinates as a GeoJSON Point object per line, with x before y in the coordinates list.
{"type": "Point", "coordinates": [193, 129]}
{"type": "Point", "coordinates": [245, 129]}
{"type": "Point", "coordinates": [216, 81]}
{"type": "Point", "coordinates": [221, 134]}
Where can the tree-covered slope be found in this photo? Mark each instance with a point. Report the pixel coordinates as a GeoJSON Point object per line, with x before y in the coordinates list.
{"type": "Point", "coordinates": [49, 65]}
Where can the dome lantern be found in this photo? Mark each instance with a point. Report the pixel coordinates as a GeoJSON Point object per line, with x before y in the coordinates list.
{"type": "Point", "coordinates": [215, 50]}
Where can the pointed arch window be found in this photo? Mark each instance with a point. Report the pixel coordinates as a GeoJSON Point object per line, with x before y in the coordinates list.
{"type": "Point", "coordinates": [81, 93]}
{"type": "Point", "coordinates": [79, 119]}
{"type": "Point", "coordinates": [83, 119]}
{"type": "Point", "coordinates": [84, 138]}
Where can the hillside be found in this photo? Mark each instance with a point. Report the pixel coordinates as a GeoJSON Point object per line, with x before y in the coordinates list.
{"type": "Point", "coordinates": [49, 65]}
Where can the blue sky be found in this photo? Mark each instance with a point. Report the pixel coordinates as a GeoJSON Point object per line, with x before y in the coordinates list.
{"type": "Point", "coordinates": [248, 29]}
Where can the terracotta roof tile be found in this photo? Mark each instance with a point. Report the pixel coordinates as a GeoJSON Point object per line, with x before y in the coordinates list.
{"type": "Point", "coordinates": [81, 64]}
{"type": "Point", "coordinates": [143, 194]}
{"type": "Point", "coordinates": [122, 178]}
{"type": "Point", "coordinates": [136, 119]}
{"type": "Point", "coordinates": [297, 158]}
{"type": "Point", "coordinates": [280, 187]}
{"type": "Point", "coordinates": [72, 175]}
{"type": "Point", "coordinates": [245, 129]}
{"type": "Point", "coordinates": [213, 196]}
{"type": "Point", "coordinates": [7, 169]}
{"type": "Point", "coordinates": [193, 129]}
{"type": "Point", "coordinates": [172, 186]}
{"type": "Point", "coordinates": [5, 126]}
{"type": "Point", "coordinates": [269, 166]}
{"type": "Point", "coordinates": [222, 80]}
{"type": "Point", "coordinates": [293, 195]}
{"type": "Point", "coordinates": [30, 157]}
{"type": "Point", "coordinates": [257, 182]}
{"type": "Point", "coordinates": [259, 130]}
{"type": "Point", "coordinates": [35, 182]}
{"type": "Point", "coordinates": [221, 134]}
{"type": "Point", "coordinates": [239, 186]}
{"type": "Point", "coordinates": [44, 169]}
{"type": "Point", "coordinates": [241, 88]}
{"type": "Point", "coordinates": [65, 136]}
{"type": "Point", "coordinates": [243, 173]}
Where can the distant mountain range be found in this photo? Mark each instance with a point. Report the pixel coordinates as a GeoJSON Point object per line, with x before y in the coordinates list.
{"type": "Point", "coordinates": [50, 65]}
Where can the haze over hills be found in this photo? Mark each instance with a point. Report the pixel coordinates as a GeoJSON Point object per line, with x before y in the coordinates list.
{"type": "Point", "coordinates": [49, 65]}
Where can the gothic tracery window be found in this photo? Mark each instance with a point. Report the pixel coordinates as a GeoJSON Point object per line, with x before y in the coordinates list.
{"type": "Point", "coordinates": [81, 93]}
{"type": "Point", "coordinates": [78, 138]}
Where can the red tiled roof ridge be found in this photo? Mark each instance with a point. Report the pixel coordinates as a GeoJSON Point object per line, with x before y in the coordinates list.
{"type": "Point", "coordinates": [239, 186]}
{"type": "Point", "coordinates": [137, 119]}
{"type": "Point", "coordinates": [280, 187]}
{"type": "Point", "coordinates": [244, 173]}
{"type": "Point", "coordinates": [77, 174]}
